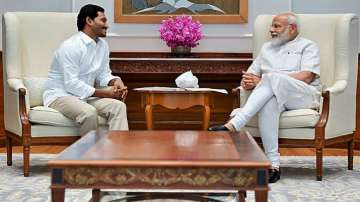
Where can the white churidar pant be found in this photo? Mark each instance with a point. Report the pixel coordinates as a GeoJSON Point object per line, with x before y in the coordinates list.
{"type": "Point", "coordinates": [275, 93]}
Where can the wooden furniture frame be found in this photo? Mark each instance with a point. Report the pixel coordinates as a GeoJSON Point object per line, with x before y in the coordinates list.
{"type": "Point", "coordinates": [171, 160]}
{"type": "Point", "coordinates": [240, 17]}
{"type": "Point", "coordinates": [319, 142]}
{"type": "Point", "coordinates": [176, 99]}
{"type": "Point", "coordinates": [26, 140]}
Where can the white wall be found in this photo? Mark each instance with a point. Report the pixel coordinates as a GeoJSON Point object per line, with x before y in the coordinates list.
{"type": "Point", "coordinates": [33, 5]}
{"type": "Point", "coordinates": [218, 38]}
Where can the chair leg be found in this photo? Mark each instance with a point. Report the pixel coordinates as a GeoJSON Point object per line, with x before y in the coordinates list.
{"type": "Point", "coordinates": [319, 163]}
{"type": "Point", "coordinates": [26, 157]}
{"type": "Point", "coordinates": [350, 154]}
{"type": "Point", "coordinates": [9, 150]}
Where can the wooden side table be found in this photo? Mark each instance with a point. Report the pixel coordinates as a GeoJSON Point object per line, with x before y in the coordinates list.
{"type": "Point", "coordinates": [176, 99]}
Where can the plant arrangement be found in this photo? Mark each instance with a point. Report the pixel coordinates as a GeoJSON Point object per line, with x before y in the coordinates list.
{"type": "Point", "coordinates": [181, 31]}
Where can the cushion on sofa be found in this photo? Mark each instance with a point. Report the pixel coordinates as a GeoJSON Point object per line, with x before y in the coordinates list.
{"type": "Point", "coordinates": [49, 116]}
{"type": "Point", "coordinates": [299, 118]}
{"type": "Point", "coordinates": [36, 88]}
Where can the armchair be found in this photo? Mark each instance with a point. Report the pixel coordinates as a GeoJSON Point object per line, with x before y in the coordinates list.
{"type": "Point", "coordinates": [29, 41]}
{"type": "Point", "coordinates": [337, 38]}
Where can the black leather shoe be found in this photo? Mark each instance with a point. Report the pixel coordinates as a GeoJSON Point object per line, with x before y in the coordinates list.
{"type": "Point", "coordinates": [274, 175]}
{"type": "Point", "coordinates": [218, 128]}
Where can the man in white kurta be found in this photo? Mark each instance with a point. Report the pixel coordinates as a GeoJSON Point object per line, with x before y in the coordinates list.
{"type": "Point", "coordinates": [284, 76]}
{"type": "Point", "coordinates": [79, 63]}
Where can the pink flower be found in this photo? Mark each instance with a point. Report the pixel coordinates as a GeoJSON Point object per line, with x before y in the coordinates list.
{"type": "Point", "coordinates": [181, 31]}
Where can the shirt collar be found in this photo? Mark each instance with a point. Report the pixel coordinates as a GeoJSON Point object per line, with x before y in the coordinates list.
{"type": "Point", "coordinates": [85, 38]}
{"type": "Point", "coordinates": [294, 40]}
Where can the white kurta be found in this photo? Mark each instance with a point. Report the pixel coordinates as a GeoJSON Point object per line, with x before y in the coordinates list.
{"type": "Point", "coordinates": [297, 55]}
{"type": "Point", "coordinates": [77, 64]}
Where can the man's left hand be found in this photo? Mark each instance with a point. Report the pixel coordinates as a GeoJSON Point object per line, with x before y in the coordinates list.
{"type": "Point", "coordinates": [120, 88]}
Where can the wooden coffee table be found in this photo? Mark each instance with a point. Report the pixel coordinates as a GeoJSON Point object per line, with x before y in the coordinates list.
{"type": "Point", "coordinates": [169, 160]}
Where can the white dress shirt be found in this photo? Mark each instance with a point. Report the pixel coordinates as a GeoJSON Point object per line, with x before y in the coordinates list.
{"type": "Point", "coordinates": [77, 65]}
{"type": "Point", "coordinates": [297, 55]}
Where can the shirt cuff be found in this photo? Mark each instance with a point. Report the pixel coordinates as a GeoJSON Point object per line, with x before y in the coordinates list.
{"type": "Point", "coordinates": [106, 81]}
{"type": "Point", "coordinates": [88, 93]}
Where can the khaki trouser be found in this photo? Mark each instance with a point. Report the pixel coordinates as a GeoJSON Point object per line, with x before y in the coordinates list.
{"type": "Point", "coordinates": [86, 113]}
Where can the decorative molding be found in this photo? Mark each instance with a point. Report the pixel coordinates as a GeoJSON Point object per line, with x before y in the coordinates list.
{"type": "Point", "coordinates": [177, 66]}
{"type": "Point", "coordinates": [162, 177]}
{"type": "Point", "coordinates": [203, 63]}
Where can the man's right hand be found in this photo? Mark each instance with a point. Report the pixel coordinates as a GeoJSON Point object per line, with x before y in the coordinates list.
{"type": "Point", "coordinates": [249, 81]}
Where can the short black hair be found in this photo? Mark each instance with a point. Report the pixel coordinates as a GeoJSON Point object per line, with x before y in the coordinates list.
{"type": "Point", "coordinates": [90, 11]}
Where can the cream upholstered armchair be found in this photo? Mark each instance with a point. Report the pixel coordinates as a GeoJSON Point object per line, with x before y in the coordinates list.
{"type": "Point", "coordinates": [29, 42]}
{"type": "Point", "coordinates": [337, 38]}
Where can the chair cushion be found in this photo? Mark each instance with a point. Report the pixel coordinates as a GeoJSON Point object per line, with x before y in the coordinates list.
{"type": "Point", "coordinates": [48, 116]}
{"type": "Point", "coordinates": [36, 88]}
{"type": "Point", "coordinates": [287, 133]}
{"type": "Point", "coordinates": [299, 118]}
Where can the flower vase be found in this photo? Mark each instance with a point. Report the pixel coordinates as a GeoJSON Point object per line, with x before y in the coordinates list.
{"type": "Point", "coordinates": [181, 51]}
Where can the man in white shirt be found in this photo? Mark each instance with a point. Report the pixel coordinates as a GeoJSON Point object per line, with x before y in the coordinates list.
{"type": "Point", "coordinates": [284, 76]}
{"type": "Point", "coordinates": [81, 62]}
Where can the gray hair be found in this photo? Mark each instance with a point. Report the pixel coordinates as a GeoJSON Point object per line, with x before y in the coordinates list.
{"type": "Point", "coordinates": [293, 19]}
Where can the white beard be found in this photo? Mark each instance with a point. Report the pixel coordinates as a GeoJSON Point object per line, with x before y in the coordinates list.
{"type": "Point", "coordinates": [281, 39]}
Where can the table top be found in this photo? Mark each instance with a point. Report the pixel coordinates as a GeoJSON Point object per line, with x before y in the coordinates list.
{"type": "Point", "coordinates": [174, 90]}
{"type": "Point", "coordinates": [163, 149]}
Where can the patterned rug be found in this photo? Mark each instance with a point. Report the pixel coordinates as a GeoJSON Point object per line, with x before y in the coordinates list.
{"type": "Point", "coordinates": [297, 182]}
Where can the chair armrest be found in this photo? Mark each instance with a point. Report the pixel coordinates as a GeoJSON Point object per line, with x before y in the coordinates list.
{"type": "Point", "coordinates": [16, 84]}
{"type": "Point", "coordinates": [236, 93]}
{"type": "Point", "coordinates": [342, 109]}
{"type": "Point", "coordinates": [324, 116]}
{"type": "Point", "coordinates": [22, 107]}
{"type": "Point", "coordinates": [24, 118]}
{"type": "Point", "coordinates": [242, 96]}
{"type": "Point", "coordinates": [338, 87]}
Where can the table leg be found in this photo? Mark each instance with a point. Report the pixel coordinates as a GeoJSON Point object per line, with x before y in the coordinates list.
{"type": "Point", "coordinates": [261, 196]}
{"type": "Point", "coordinates": [95, 195]}
{"type": "Point", "coordinates": [241, 196]}
{"type": "Point", "coordinates": [206, 117]}
{"type": "Point", "coordinates": [149, 117]}
{"type": "Point", "coordinates": [57, 194]}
